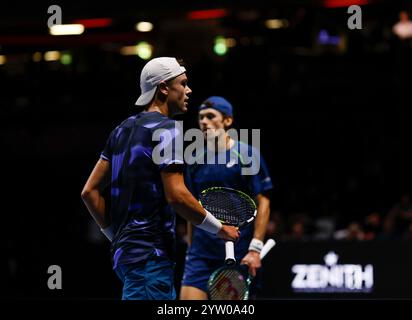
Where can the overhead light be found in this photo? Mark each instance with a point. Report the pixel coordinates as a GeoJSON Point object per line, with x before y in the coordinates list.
{"type": "Point", "coordinates": [95, 22]}
{"type": "Point", "coordinates": [66, 58]}
{"type": "Point", "coordinates": [37, 56]}
{"type": "Point", "coordinates": [2, 59]}
{"type": "Point", "coordinates": [325, 38]}
{"type": "Point", "coordinates": [220, 47]}
{"type": "Point", "coordinates": [128, 51]}
{"type": "Point", "coordinates": [144, 50]}
{"type": "Point", "coordinates": [207, 14]}
{"type": "Point", "coordinates": [344, 3]}
{"type": "Point", "coordinates": [66, 29]}
{"type": "Point", "coordinates": [52, 55]}
{"type": "Point", "coordinates": [144, 26]}
{"type": "Point", "coordinates": [276, 23]}
{"type": "Point", "coordinates": [230, 42]}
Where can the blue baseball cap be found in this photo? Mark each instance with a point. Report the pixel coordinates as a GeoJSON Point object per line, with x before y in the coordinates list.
{"type": "Point", "coordinates": [219, 104]}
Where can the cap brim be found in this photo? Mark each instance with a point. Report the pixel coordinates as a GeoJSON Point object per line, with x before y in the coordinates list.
{"type": "Point", "coordinates": [146, 97]}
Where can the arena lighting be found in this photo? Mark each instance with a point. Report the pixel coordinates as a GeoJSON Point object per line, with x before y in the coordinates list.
{"type": "Point", "coordinates": [276, 23]}
{"type": "Point", "coordinates": [94, 23]}
{"type": "Point", "coordinates": [220, 47]}
{"type": "Point", "coordinates": [144, 26]}
{"type": "Point", "coordinates": [207, 14]}
{"type": "Point", "coordinates": [344, 3]}
{"type": "Point", "coordinates": [230, 42]}
{"type": "Point", "coordinates": [66, 29]}
{"type": "Point", "coordinates": [37, 56]}
{"type": "Point", "coordinates": [128, 51]}
{"type": "Point", "coordinates": [66, 58]}
{"type": "Point", "coordinates": [325, 38]}
{"type": "Point", "coordinates": [52, 56]}
{"type": "Point", "coordinates": [144, 50]}
{"type": "Point", "coordinates": [2, 59]}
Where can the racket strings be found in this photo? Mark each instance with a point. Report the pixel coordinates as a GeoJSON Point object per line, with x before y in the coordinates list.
{"type": "Point", "coordinates": [228, 207]}
{"type": "Point", "coordinates": [228, 284]}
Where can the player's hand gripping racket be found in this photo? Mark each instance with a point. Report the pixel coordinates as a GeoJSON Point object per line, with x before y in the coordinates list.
{"type": "Point", "coordinates": [232, 282]}
{"type": "Point", "coordinates": [231, 207]}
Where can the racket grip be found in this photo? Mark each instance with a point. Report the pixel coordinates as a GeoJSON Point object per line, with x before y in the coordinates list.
{"type": "Point", "coordinates": [267, 247]}
{"type": "Point", "coordinates": [230, 253]}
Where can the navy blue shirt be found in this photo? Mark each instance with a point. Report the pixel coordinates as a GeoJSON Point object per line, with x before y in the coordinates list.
{"type": "Point", "coordinates": [143, 222]}
{"type": "Point", "coordinates": [199, 177]}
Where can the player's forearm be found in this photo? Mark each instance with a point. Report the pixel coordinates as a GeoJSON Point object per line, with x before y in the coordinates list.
{"type": "Point", "coordinates": [262, 217]}
{"type": "Point", "coordinates": [180, 198]}
{"type": "Point", "coordinates": [186, 206]}
{"type": "Point", "coordinates": [96, 205]}
{"type": "Point", "coordinates": [93, 190]}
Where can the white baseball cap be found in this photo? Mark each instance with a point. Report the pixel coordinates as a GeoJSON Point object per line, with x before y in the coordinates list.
{"type": "Point", "coordinates": [154, 72]}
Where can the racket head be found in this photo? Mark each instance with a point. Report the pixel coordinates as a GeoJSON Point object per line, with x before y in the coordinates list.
{"type": "Point", "coordinates": [232, 207]}
{"type": "Point", "coordinates": [229, 283]}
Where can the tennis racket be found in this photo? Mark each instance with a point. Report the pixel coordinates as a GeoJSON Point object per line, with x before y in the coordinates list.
{"type": "Point", "coordinates": [232, 282]}
{"type": "Point", "coordinates": [231, 207]}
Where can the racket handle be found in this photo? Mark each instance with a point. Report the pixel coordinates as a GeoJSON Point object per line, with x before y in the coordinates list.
{"type": "Point", "coordinates": [230, 253]}
{"type": "Point", "coordinates": [267, 247]}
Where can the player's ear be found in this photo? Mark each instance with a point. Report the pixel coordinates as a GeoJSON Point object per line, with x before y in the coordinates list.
{"type": "Point", "coordinates": [163, 88]}
{"type": "Point", "coordinates": [227, 121]}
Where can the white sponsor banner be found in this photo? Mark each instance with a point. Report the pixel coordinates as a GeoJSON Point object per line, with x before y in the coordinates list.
{"type": "Point", "coordinates": [332, 277]}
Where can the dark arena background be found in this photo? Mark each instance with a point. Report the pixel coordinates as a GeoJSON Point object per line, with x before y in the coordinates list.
{"type": "Point", "coordinates": [332, 104]}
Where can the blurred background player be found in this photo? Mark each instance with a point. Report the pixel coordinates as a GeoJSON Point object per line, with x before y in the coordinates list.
{"type": "Point", "coordinates": [206, 253]}
{"type": "Point", "coordinates": [141, 224]}
{"type": "Point", "coordinates": [403, 28]}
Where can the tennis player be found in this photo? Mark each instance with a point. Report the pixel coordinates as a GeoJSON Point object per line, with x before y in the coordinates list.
{"type": "Point", "coordinates": [141, 223]}
{"type": "Point", "coordinates": [206, 252]}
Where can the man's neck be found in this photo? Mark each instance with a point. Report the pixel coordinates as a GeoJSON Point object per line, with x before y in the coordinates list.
{"type": "Point", "coordinates": [159, 107]}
